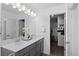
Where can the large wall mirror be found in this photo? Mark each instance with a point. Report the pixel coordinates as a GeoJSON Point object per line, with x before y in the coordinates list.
{"type": "Point", "coordinates": [11, 23]}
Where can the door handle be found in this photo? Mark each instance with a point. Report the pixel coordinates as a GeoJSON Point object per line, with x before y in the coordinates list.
{"type": "Point", "coordinates": [67, 42]}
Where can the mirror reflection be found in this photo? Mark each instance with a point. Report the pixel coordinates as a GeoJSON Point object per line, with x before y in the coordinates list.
{"type": "Point", "coordinates": [12, 24]}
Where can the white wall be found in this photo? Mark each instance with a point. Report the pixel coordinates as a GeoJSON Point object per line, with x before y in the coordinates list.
{"type": "Point", "coordinates": [73, 30]}
{"type": "Point", "coordinates": [43, 19]}
{"type": "Point", "coordinates": [0, 29]}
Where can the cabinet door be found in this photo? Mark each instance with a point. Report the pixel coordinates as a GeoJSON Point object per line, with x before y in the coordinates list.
{"type": "Point", "coordinates": [42, 45]}
{"type": "Point", "coordinates": [38, 49]}
{"type": "Point", "coordinates": [32, 50]}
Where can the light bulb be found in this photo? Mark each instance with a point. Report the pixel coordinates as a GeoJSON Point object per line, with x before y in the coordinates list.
{"type": "Point", "coordinates": [29, 14]}
{"type": "Point", "coordinates": [18, 5]}
{"type": "Point", "coordinates": [28, 10]}
{"type": "Point", "coordinates": [25, 12]}
{"type": "Point", "coordinates": [7, 3]}
{"type": "Point", "coordinates": [23, 7]}
{"type": "Point", "coordinates": [34, 14]}
{"type": "Point", "coordinates": [20, 9]}
{"type": "Point", "coordinates": [14, 6]}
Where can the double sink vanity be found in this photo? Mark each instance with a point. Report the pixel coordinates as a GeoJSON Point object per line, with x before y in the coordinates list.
{"type": "Point", "coordinates": [33, 47]}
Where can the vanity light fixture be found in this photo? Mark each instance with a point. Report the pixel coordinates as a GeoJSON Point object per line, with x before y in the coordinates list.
{"type": "Point", "coordinates": [21, 7]}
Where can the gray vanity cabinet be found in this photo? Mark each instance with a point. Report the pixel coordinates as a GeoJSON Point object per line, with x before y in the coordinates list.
{"type": "Point", "coordinates": [38, 48]}
{"type": "Point", "coordinates": [34, 49]}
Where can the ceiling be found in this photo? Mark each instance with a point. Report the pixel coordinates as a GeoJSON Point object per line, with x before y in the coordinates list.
{"type": "Point", "coordinates": [33, 6]}
{"type": "Point", "coordinates": [39, 6]}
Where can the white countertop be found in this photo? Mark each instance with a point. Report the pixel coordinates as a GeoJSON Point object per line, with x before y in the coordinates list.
{"type": "Point", "coordinates": [16, 46]}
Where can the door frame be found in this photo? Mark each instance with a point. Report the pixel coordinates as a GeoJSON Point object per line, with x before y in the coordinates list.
{"type": "Point", "coordinates": [65, 31]}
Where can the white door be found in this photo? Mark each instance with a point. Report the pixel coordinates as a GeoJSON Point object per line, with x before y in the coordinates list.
{"type": "Point", "coordinates": [71, 30]}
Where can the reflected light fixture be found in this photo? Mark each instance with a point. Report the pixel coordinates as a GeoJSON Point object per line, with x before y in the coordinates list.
{"type": "Point", "coordinates": [25, 12]}
{"type": "Point", "coordinates": [21, 7]}
{"type": "Point", "coordinates": [14, 6]}
{"type": "Point", "coordinates": [18, 5]}
{"type": "Point", "coordinates": [34, 14]}
{"type": "Point", "coordinates": [29, 14]}
{"type": "Point", "coordinates": [28, 10]}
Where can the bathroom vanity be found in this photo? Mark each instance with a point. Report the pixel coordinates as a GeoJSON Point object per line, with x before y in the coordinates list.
{"type": "Point", "coordinates": [32, 47]}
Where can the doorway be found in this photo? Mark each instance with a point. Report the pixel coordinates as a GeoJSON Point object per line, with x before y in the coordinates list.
{"type": "Point", "coordinates": [57, 35]}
